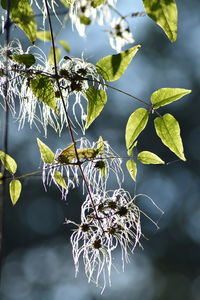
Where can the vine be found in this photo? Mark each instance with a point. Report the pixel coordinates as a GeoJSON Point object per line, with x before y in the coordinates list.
{"type": "Point", "coordinates": [42, 86]}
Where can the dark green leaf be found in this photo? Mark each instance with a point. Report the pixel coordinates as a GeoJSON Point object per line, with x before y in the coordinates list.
{"type": "Point", "coordinates": [112, 67]}
{"type": "Point", "coordinates": [96, 102]}
{"type": "Point", "coordinates": [84, 20]}
{"type": "Point", "coordinates": [168, 130]}
{"type": "Point", "coordinates": [135, 125]}
{"type": "Point", "coordinates": [9, 163]}
{"type": "Point", "coordinates": [164, 13]}
{"type": "Point", "coordinates": [26, 59]}
{"type": "Point", "coordinates": [42, 88]}
{"type": "Point", "coordinates": [15, 188]}
{"type": "Point", "coordinates": [46, 153]}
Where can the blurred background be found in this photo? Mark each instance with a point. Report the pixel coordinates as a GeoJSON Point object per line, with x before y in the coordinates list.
{"type": "Point", "coordinates": [38, 262]}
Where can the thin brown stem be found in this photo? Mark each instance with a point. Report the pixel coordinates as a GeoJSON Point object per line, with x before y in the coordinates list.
{"type": "Point", "coordinates": [66, 115]}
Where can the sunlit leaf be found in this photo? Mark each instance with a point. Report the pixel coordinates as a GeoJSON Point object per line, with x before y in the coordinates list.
{"type": "Point", "coordinates": [100, 146]}
{"type": "Point", "coordinates": [69, 154]}
{"type": "Point", "coordinates": [46, 153]}
{"type": "Point", "coordinates": [65, 45]}
{"type": "Point", "coordinates": [132, 168]}
{"type": "Point", "coordinates": [44, 35]}
{"type": "Point", "coordinates": [130, 150]}
{"type": "Point", "coordinates": [8, 162]}
{"type": "Point", "coordinates": [59, 179]}
{"type": "Point", "coordinates": [165, 96]}
{"type": "Point", "coordinates": [96, 3]}
{"type": "Point", "coordinates": [112, 67]}
{"type": "Point", "coordinates": [51, 56]}
{"type": "Point", "coordinates": [23, 16]}
{"type": "Point", "coordinates": [135, 125]}
{"type": "Point", "coordinates": [164, 13]}
{"type": "Point", "coordinates": [15, 188]}
{"type": "Point", "coordinates": [26, 59]}
{"type": "Point", "coordinates": [147, 157]}
{"type": "Point", "coordinates": [67, 3]}
{"type": "Point", "coordinates": [96, 102]}
{"type": "Point", "coordinates": [168, 129]}
{"type": "Point", "coordinates": [42, 88]}
{"type": "Point", "coordinates": [1, 176]}
{"type": "Point", "coordinates": [84, 20]}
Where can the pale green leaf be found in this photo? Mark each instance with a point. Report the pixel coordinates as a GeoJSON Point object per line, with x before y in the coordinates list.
{"type": "Point", "coordinates": [96, 3]}
{"type": "Point", "coordinates": [100, 145]}
{"type": "Point", "coordinates": [42, 88]}
{"type": "Point", "coordinates": [8, 162]}
{"type": "Point", "coordinates": [132, 168]}
{"type": "Point", "coordinates": [147, 157]}
{"type": "Point", "coordinates": [112, 67]}
{"type": "Point", "coordinates": [168, 129]}
{"type": "Point", "coordinates": [65, 45]}
{"type": "Point", "coordinates": [164, 13]}
{"type": "Point", "coordinates": [135, 125]}
{"type": "Point", "coordinates": [46, 153]}
{"type": "Point", "coordinates": [44, 35]}
{"type": "Point", "coordinates": [15, 188]}
{"type": "Point", "coordinates": [26, 59]}
{"type": "Point", "coordinates": [51, 56]}
{"type": "Point", "coordinates": [23, 16]}
{"type": "Point", "coordinates": [130, 150]}
{"type": "Point", "coordinates": [96, 102]}
{"type": "Point", "coordinates": [165, 96]}
{"type": "Point", "coordinates": [67, 3]}
{"type": "Point", "coordinates": [59, 179]}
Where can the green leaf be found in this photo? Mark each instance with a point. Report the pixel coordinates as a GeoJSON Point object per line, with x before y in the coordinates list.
{"type": "Point", "coordinates": [96, 3]}
{"type": "Point", "coordinates": [1, 176]}
{"type": "Point", "coordinates": [147, 157]}
{"type": "Point", "coordinates": [100, 145]}
{"type": "Point", "coordinates": [164, 13]}
{"type": "Point", "coordinates": [165, 96]}
{"type": "Point", "coordinates": [65, 45]}
{"type": "Point", "coordinates": [101, 166]}
{"type": "Point", "coordinates": [42, 88]}
{"type": "Point", "coordinates": [69, 154]}
{"type": "Point", "coordinates": [59, 179]}
{"type": "Point", "coordinates": [15, 188]}
{"type": "Point", "coordinates": [132, 168]}
{"type": "Point", "coordinates": [51, 56]}
{"type": "Point", "coordinates": [46, 153]}
{"type": "Point", "coordinates": [135, 125]}
{"type": "Point", "coordinates": [112, 67]}
{"type": "Point", "coordinates": [9, 163]}
{"type": "Point", "coordinates": [130, 150]}
{"type": "Point", "coordinates": [67, 3]}
{"type": "Point", "coordinates": [23, 16]}
{"type": "Point", "coordinates": [84, 20]}
{"type": "Point", "coordinates": [44, 35]}
{"type": "Point", "coordinates": [168, 130]}
{"type": "Point", "coordinates": [26, 59]}
{"type": "Point", "coordinates": [96, 102]}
